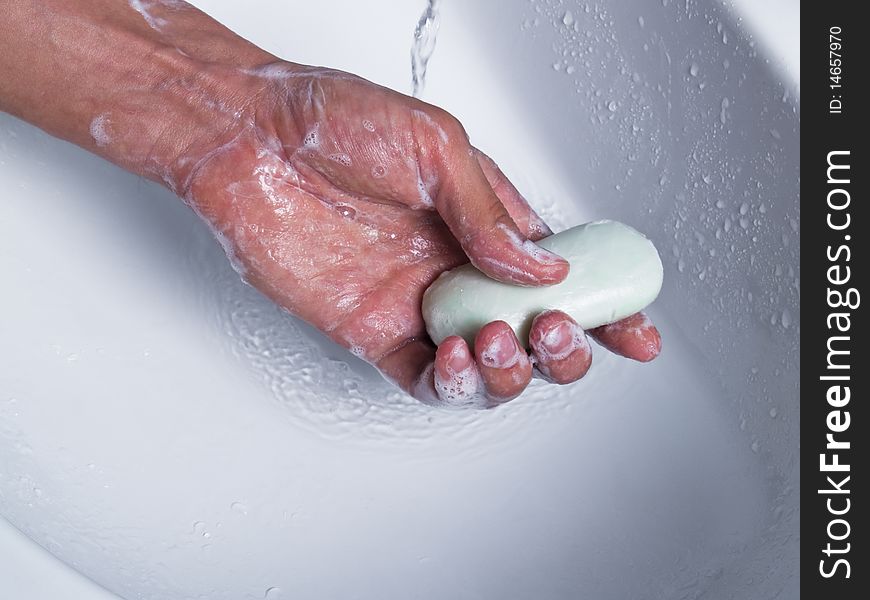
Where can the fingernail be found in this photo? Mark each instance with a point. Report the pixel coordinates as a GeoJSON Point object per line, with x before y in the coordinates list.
{"type": "Point", "coordinates": [460, 359]}
{"type": "Point", "coordinates": [542, 255]}
{"type": "Point", "coordinates": [559, 338]}
{"type": "Point", "coordinates": [501, 352]}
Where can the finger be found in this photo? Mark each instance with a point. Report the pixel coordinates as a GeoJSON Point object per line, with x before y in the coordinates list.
{"type": "Point", "coordinates": [477, 218]}
{"type": "Point", "coordinates": [560, 348]}
{"type": "Point", "coordinates": [411, 368]}
{"type": "Point", "coordinates": [439, 378]}
{"type": "Point", "coordinates": [518, 208]}
{"type": "Point", "coordinates": [456, 379]}
{"type": "Point", "coordinates": [634, 337]}
{"type": "Point", "coordinates": [503, 363]}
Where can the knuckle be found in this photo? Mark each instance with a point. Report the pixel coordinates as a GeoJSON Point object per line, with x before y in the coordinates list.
{"type": "Point", "coordinates": [441, 125]}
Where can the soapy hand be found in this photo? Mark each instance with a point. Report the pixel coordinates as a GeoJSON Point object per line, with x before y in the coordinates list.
{"type": "Point", "coordinates": [342, 201]}
{"type": "Point", "coordinates": [339, 199]}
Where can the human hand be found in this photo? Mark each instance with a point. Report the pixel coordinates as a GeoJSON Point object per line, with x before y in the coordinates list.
{"type": "Point", "coordinates": [339, 199]}
{"type": "Point", "coordinates": [342, 201]}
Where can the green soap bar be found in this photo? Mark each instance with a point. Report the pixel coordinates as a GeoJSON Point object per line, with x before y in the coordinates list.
{"type": "Point", "coordinates": [615, 272]}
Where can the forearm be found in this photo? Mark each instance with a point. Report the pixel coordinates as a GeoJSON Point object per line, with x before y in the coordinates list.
{"type": "Point", "coordinates": [137, 82]}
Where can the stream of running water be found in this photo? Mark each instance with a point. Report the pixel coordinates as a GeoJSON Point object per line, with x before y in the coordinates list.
{"type": "Point", "coordinates": [425, 36]}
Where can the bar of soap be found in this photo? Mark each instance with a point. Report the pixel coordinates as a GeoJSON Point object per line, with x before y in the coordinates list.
{"type": "Point", "coordinates": [615, 272]}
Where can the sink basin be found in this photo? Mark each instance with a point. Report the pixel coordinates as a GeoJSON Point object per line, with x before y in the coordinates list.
{"type": "Point", "coordinates": [168, 433]}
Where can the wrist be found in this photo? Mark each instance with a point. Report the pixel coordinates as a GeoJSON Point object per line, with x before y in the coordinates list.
{"type": "Point", "coordinates": [162, 121]}
{"type": "Point", "coordinates": [138, 86]}
{"type": "Point", "coordinates": [180, 101]}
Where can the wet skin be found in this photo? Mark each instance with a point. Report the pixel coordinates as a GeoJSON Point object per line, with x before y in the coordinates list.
{"type": "Point", "coordinates": [339, 199]}
{"type": "Point", "coordinates": [342, 201]}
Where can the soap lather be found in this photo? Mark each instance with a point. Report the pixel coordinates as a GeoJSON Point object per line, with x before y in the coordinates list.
{"type": "Point", "coordinates": [615, 272]}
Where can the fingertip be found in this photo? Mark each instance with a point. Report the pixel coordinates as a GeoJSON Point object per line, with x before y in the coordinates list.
{"type": "Point", "coordinates": [496, 345]}
{"type": "Point", "coordinates": [502, 361]}
{"type": "Point", "coordinates": [652, 346]}
{"type": "Point", "coordinates": [559, 345]}
{"type": "Point", "coordinates": [456, 377]}
{"type": "Point", "coordinates": [505, 255]}
{"type": "Point", "coordinates": [452, 356]}
{"type": "Point", "coordinates": [634, 337]}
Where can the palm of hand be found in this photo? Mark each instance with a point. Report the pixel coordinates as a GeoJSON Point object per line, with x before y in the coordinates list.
{"type": "Point", "coordinates": [342, 201]}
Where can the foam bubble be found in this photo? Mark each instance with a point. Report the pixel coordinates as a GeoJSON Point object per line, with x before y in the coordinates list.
{"type": "Point", "coordinates": [99, 131]}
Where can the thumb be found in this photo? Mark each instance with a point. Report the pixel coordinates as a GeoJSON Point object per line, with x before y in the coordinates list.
{"type": "Point", "coordinates": [484, 228]}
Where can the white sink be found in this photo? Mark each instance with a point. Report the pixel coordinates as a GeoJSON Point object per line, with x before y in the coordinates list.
{"type": "Point", "coordinates": [169, 434]}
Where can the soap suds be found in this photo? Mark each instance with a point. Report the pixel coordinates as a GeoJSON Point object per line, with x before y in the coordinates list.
{"type": "Point", "coordinates": [462, 388]}
{"type": "Point", "coordinates": [143, 7]}
{"type": "Point", "coordinates": [551, 338]}
{"type": "Point", "coordinates": [497, 355]}
{"type": "Point", "coordinates": [341, 158]}
{"type": "Point", "coordinates": [312, 138]}
{"type": "Point", "coordinates": [423, 189]}
{"type": "Point", "coordinates": [528, 247]}
{"type": "Point", "coordinates": [501, 267]}
{"type": "Point", "coordinates": [99, 131]}
{"type": "Point", "coordinates": [430, 122]}
{"type": "Point", "coordinates": [282, 71]}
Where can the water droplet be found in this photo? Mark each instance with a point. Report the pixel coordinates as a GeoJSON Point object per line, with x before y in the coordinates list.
{"type": "Point", "coordinates": [773, 413]}
{"type": "Point", "coordinates": [568, 18]}
{"type": "Point", "coordinates": [612, 106]}
{"type": "Point", "coordinates": [273, 593]}
{"type": "Point", "coordinates": [744, 208]}
{"type": "Point", "coordinates": [378, 171]}
{"type": "Point", "coordinates": [775, 134]}
{"type": "Point", "coordinates": [694, 69]}
{"type": "Point", "coordinates": [368, 125]}
{"type": "Point", "coordinates": [239, 508]}
{"type": "Point", "coordinates": [785, 319]}
{"type": "Point", "coordinates": [641, 22]}
{"type": "Point", "coordinates": [755, 446]}
{"type": "Point", "coordinates": [345, 211]}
